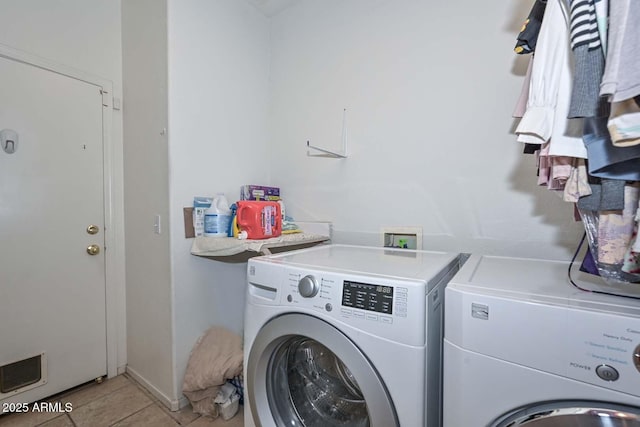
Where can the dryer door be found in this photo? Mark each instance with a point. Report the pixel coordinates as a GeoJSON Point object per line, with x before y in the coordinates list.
{"type": "Point", "coordinates": [572, 413]}
{"type": "Point", "coordinates": [302, 371]}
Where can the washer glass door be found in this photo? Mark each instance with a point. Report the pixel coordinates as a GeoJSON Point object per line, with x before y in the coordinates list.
{"type": "Point", "coordinates": [570, 414]}
{"type": "Point", "coordinates": [303, 372]}
{"type": "Point", "coordinates": [321, 390]}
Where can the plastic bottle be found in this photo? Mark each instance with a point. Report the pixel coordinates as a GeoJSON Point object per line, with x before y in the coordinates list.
{"type": "Point", "coordinates": [217, 217]}
{"type": "Point", "coordinates": [233, 224]}
{"type": "Point", "coordinates": [283, 213]}
{"type": "Point", "coordinates": [259, 219]}
{"type": "Point", "coordinates": [200, 206]}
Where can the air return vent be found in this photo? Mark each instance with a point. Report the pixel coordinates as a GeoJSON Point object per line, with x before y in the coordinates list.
{"type": "Point", "coordinates": [23, 374]}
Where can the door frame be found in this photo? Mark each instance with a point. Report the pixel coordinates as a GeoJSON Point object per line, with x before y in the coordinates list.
{"type": "Point", "coordinates": [113, 206]}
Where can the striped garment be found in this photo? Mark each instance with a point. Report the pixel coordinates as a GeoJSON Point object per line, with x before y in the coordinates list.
{"type": "Point", "coordinates": [584, 25]}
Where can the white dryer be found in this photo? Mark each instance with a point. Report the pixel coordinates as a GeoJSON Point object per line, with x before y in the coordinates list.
{"type": "Point", "coordinates": [524, 347]}
{"type": "Point", "coordinates": [341, 335]}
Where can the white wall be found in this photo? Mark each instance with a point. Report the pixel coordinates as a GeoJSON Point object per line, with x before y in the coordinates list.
{"type": "Point", "coordinates": [200, 70]}
{"type": "Point", "coordinates": [429, 89]}
{"type": "Point", "coordinates": [218, 92]}
{"type": "Point", "coordinates": [150, 334]}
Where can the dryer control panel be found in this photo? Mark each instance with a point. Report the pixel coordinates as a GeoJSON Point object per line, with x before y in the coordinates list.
{"type": "Point", "coordinates": [604, 349]}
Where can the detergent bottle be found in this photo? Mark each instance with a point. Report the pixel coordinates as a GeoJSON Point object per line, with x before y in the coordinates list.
{"type": "Point", "coordinates": [217, 217]}
{"type": "Point", "coordinates": [259, 219]}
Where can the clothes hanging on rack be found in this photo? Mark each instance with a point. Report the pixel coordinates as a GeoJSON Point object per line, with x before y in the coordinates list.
{"type": "Point", "coordinates": [577, 186]}
{"type": "Point", "coordinates": [521, 108]}
{"type": "Point", "coordinates": [546, 116]}
{"type": "Point", "coordinates": [553, 171]}
{"type": "Point", "coordinates": [607, 160]}
{"type": "Point", "coordinates": [528, 36]}
{"type": "Point", "coordinates": [624, 122]}
{"type": "Point", "coordinates": [621, 78]}
{"type": "Point", "coordinates": [579, 109]}
{"type": "Point", "coordinates": [602, 18]}
{"type": "Point", "coordinates": [588, 60]}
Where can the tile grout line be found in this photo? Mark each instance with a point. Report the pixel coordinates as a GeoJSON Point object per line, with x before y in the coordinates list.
{"type": "Point", "coordinates": [66, 414]}
{"type": "Point", "coordinates": [103, 396]}
{"type": "Point", "coordinates": [130, 415]}
{"type": "Point", "coordinates": [90, 384]}
{"type": "Point", "coordinates": [73, 423]}
{"type": "Point", "coordinates": [158, 403]}
{"type": "Point", "coordinates": [129, 381]}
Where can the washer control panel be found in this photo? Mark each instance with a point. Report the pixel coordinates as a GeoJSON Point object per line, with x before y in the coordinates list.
{"type": "Point", "coordinates": [380, 305]}
{"type": "Point", "coordinates": [365, 296]}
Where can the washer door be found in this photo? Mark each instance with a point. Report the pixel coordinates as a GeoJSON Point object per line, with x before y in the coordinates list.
{"type": "Point", "coordinates": [572, 414]}
{"type": "Point", "coordinates": [303, 372]}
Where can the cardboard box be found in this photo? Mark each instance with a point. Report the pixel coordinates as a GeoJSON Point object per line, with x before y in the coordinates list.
{"type": "Point", "coordinates": [259, 192]}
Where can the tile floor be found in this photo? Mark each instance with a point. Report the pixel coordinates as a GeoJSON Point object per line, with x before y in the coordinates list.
{"type": "Point", "coordinates": [117, 402]}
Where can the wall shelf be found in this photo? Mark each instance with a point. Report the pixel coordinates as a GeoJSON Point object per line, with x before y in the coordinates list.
{"type": "Point", "coordinates": [229, 249]}
{"type": "Point", "coordinates": [323, 152]}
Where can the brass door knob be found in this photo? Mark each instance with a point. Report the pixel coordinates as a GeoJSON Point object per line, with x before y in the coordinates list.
{"type": "Point", "coordinates": [93, 249]}
{"type": "Point", "coordinates": [93, 229]}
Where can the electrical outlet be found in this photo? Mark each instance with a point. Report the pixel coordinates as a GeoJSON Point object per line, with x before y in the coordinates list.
{"type": "Point", "coordinates": [402, 237]}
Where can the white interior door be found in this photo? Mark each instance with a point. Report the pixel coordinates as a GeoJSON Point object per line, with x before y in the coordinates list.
{"type": "Point", "coordinates": [52, 291]}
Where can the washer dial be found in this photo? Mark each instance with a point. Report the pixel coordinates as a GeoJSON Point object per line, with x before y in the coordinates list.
{"type": "Point", "coordinates": [308, 286]}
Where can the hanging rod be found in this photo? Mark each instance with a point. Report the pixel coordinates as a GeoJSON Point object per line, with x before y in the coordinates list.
{"type": "Point", "coordinates": [330, 153]}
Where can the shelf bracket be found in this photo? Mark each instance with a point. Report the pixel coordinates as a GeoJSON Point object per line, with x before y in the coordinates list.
{"type": "Point", "coordinates": [331, 153]}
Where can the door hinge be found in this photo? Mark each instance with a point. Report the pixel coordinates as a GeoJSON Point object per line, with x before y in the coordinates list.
{"type": "Point", "coordinates": [106, 99]}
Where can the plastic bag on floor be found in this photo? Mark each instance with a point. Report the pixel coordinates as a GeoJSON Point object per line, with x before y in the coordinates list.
{"type": "Point", "coordinates": [227, 400]}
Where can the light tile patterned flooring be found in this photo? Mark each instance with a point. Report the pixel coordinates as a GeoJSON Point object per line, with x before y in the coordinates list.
{"type": "Point", "coordinates": [117, 402]}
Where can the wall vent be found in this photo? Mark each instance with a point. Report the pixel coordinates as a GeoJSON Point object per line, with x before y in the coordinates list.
{"type": "Point", "coordinates": [23, 374]}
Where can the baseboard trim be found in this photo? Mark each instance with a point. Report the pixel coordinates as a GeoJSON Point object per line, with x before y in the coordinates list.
{"type": "Point", "coordinates": [173, 405]}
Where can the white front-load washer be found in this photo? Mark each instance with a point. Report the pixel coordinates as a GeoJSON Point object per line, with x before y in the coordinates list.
{"type": "Point", "coordinates": [524, 347]}
{"type": "Point", "coordinates": [341, 335]}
